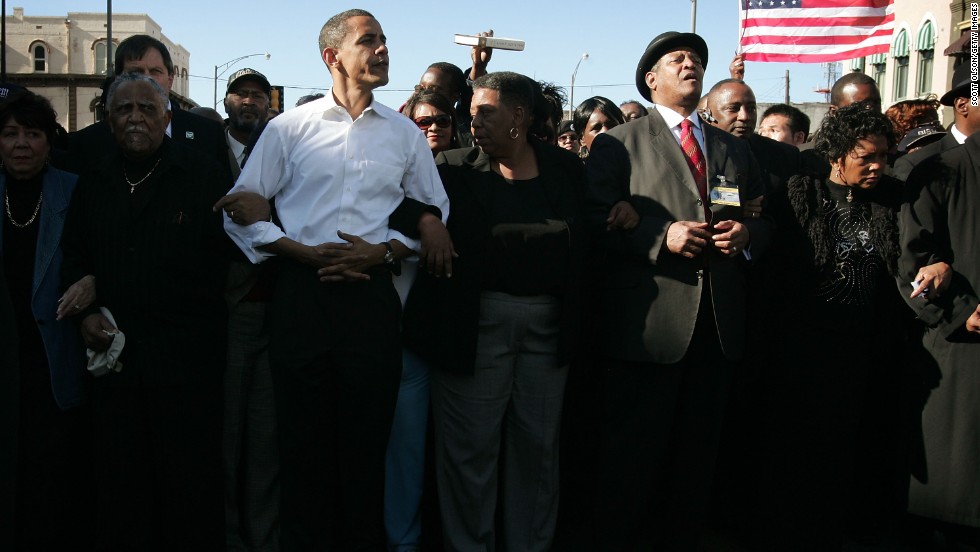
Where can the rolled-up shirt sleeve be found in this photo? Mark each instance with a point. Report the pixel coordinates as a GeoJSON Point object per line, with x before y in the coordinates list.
{"type": "Point", "coordinates": [264, 174]}
{"type": "Point", "coordinates": [421, 182]}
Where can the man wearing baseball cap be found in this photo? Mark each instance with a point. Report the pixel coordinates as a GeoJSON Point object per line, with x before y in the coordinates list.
{"type": "Point", "coordinates": [247, 105]}
{"type": "Point", "coordinates": [673, 301]}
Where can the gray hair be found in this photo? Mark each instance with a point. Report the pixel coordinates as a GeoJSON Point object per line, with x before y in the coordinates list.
{"type": "Point", "coordinates": [334, 31]}
{"type": "Point", "coordinates": [135, 77]}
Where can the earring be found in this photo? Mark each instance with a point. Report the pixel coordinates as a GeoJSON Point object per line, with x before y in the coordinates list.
{"type": "Point", "coordinates": [514, 133]}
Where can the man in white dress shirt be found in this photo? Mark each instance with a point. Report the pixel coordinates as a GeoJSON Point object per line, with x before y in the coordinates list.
{"type": "Point", "coordinates": [337, 167]}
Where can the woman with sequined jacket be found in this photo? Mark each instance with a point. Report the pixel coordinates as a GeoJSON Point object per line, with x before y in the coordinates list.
{"type": "Point", "coordinates": [836, 335]}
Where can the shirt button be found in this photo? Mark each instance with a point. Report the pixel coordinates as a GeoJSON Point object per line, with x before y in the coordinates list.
{"type": "Point", "coordinates": [700, 203]}
{"type": "Point", "coordinates": [700, 274]}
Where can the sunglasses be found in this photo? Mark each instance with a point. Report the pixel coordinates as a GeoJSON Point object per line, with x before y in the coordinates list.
{"type": "Point", "coordinates": [441, 121]}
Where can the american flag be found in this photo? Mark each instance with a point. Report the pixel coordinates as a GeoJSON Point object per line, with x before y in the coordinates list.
{"type": "Point", "coordinates": [814, 31]}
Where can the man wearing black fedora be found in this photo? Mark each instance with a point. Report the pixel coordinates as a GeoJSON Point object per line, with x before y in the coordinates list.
{"type": "Point", "coordinates": [673, 300]}
{"type": "Point", "coordinates": [966, 121]}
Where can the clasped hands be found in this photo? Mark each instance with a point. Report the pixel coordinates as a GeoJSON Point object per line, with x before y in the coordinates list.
{"type": "Point", "coordinates": [348, 261]}
{"type": "Point", "coordinates": [689, 238]}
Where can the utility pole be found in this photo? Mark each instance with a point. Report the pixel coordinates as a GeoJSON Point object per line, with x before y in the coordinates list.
{"type": "Point", "coordinates": [110, 52]}
{"type": "Point", "coordinates": [787, 87]}
{"type": "Point", "coordinates": [3, 41]}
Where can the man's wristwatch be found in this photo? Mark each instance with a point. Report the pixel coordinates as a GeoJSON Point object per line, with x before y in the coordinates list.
{"type": "Point", "coordinates": [393, 264]}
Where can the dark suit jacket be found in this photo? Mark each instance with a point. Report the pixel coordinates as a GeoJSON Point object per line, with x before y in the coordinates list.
{"type": "Point", "coordinates": [777, 161]}
{"type": "Point", "coordinates": [905, 164]}
{"type": "Point", "coordinates": [651, 296]}
{"type": "Point", "coordinates": [442, 315]}
{"type": "Point", "coordinates": [89, 146]}
{"type": "Point", "coordinates": [160, 260]}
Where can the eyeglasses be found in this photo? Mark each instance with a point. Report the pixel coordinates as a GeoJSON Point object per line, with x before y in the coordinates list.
{"type": "Point", "coordinates": [441, 121]}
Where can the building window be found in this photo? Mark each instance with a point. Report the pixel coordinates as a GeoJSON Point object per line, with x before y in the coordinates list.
{"type": "Point", "coordinates": [900, 52]}
{"type": "Point", "coordinates": [102, 56]}
{"type": "Point", "coordinates": [97, 108]}
{"type": "Point", "coordinates": [857, 64]}
{"type": "Point", "coordinates": [877, 63]}
{"type": "Point", "coordinates": [39, 52]}
{"type": "Point", "coordinates": [925, 44]}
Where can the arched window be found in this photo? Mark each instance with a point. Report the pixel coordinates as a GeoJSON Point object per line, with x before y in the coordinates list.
{"type": "Point", "coordinates": [102, 56]}
{"type": "Point", "coordinates": [900, 53]}
{"type": "Point", "coordinates": [39, 53]}
{"type": "Point", "coordinates": [857, 64]}
{"type": "Point", "coordinates": [877, 63]}
{"type": "Point", "coordinates": [925, 44]}
{"type": "Point", "coordinates": [96, 107]}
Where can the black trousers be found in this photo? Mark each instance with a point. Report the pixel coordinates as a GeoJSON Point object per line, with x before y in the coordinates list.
{"type": "Point", "coordinates": [335, 356]}
{"type": "Point", "coordinates": [660, 435]}
{"type": "Point", "coordinates": [159, 464]}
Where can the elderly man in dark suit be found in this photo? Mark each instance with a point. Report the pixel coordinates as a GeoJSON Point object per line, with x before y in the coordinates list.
{"type": "Point", "coordinates": [148, 56]}
{"type": "Point", "coordinates": [142, 224]}
{"type": "Point", "coordinates": [674, 299]}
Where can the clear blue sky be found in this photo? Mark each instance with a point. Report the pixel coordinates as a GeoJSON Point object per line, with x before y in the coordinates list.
{"type": "Point", "coordinates": [419, 33]}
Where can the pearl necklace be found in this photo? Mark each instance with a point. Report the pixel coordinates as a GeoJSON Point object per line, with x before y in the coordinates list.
{"type": "Point", "coordinates": [37, 208]}
{"type": "Point", "coordinates": [133, 185]}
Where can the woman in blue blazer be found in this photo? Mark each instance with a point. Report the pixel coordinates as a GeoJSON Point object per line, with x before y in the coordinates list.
{"type": "Point", "coordinates": [45, 387]}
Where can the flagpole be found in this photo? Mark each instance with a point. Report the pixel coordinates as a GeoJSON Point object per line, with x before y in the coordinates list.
{"type": "Point", "coordinates": [694, 15]}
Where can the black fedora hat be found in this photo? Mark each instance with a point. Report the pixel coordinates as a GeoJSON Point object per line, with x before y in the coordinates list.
{"type": "Point", "coordinates": [659, 46]}
{"type": "Point", "coordinates": [961, 85]}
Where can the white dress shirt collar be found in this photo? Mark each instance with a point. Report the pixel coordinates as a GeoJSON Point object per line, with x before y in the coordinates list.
{"type": "Point", "coordinates": [958, 134]}
{"type": "Point", "coordinates": [673, 120]}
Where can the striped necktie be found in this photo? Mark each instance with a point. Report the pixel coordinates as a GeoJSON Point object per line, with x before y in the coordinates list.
{"type": "Point", "coordinates": [695, 161]}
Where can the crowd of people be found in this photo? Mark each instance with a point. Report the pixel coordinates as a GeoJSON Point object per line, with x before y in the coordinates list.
{"type": "Point", "coordinates": [468, 324]}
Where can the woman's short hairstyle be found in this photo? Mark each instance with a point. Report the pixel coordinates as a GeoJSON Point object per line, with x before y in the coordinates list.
{"type": "Point", "coordinates": [515, 90]}
{"type": "Point", "coordinates": [589, 106]}
{"type": "Point", "coordinates": [32, 111]}
{"type": "Point", "coordinates": [841, 130]}
{"type": "Point", "coordinates": [438, 101]}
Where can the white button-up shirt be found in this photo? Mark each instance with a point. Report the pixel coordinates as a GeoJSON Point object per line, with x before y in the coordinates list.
{"type": "Point", "coordinates": [674, 119]}
{"type": "Point", "coordinates": [328, 172]}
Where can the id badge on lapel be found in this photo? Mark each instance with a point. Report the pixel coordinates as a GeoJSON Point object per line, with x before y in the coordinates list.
{"type": "Point", "coordinates": [723, 192]}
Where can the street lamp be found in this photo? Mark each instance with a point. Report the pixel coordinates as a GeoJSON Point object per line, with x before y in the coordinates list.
{"type": "Point", "coordinates": [571, 96]}
{"type": "Point", "coordinates": [227, 66]}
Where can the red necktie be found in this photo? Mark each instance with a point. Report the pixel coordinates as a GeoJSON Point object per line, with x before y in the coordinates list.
{"type": "Point", "coordinates": [695, 161]}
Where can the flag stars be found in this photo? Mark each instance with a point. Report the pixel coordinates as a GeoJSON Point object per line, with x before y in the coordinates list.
{"type": "Point", "coordinates": [771, 2]}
